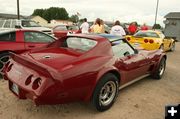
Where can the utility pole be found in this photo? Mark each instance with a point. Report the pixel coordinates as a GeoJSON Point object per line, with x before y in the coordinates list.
{"type": "Point", "coordinates": [18, 15]}
{"type": "Point", "coordinates": [156, 11]}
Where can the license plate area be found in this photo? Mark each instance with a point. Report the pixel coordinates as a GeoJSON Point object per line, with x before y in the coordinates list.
{"type": "Point", "coordinates": [15, 88]}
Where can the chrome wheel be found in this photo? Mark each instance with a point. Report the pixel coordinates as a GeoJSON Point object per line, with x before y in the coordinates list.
{"type": "Point", "coordinates": [3, 60]}
{"type": "Point", "coordinates": [107, 93]}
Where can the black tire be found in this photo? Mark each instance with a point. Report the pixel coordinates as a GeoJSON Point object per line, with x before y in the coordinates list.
{"type": "Point", "coordinates": [160, 70]}
{"type": "Point", "coordinates": [173, 47]}
{"type": "Point", "coordinates": [100, 100]}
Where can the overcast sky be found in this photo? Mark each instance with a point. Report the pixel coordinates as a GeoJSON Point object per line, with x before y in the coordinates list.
{"type": "Point", "coordinates": [109, 10]}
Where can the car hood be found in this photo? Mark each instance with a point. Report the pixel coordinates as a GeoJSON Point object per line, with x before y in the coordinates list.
{"type": "Point", "coordinates": [56, 58]}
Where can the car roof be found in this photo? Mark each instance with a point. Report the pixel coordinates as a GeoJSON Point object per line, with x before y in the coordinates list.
{"type": "Point", "coordinates": [8, 30]}
{"type": "Point", "coordinates": [4, 30]}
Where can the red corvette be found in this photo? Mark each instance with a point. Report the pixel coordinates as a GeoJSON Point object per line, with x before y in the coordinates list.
{"type": "Point", "coordinates": [81, 68]}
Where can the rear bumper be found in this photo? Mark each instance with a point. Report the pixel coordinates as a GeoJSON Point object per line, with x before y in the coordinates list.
{"type": "Point", "coordinates": [24, 94]}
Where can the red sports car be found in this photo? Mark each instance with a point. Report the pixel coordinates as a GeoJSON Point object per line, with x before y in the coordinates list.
{"type": "Point", "coordinates": [81, 68]}
{"type": "Point", "coordinates": [63, 30]}
{"type": "Point", "coordinates": [21, 40]}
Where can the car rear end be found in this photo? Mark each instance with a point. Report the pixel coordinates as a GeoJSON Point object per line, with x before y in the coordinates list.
{"type": "Point", "coordinates": [146, 43]}
{"type": "Point", "coordinates": [26, 83]}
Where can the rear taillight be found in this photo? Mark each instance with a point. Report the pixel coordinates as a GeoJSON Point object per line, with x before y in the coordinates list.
{"type": "Point", "coordinates": [5, 77]}
{"type": "Point", "coordinates": [151, 41]}
{"type": "Point", "coordinates": [128, 38]}
{"type": "Point", "coordinates": [37, 82]}
{"type": "Point", "coordinates": [146, 40]}
{"type": "Point", "coordinates": [28, 80]}
{"type": "Point", "coordinates": [9, 67]}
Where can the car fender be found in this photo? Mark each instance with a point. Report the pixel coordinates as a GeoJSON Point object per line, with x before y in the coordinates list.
{"type": "Point", "coordinates": [157, 64]}
{"type": "Point", "coordinates": [100, 74]}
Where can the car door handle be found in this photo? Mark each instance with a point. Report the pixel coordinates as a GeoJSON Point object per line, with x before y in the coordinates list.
{"type": "Point", "coordinates": [31, 46]}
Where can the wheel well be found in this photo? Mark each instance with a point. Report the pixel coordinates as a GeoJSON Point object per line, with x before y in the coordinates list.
{"type": "Point", "coordinates": [164, 57]}
{"type": "Point", "coordinates": [116, 73]}
{"type": "Point", "coordinates": [5, 51]}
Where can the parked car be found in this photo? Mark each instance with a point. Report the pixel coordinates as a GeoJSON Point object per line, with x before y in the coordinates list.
{"type": "Point", "coordinates": [60, 31]}
{"type": "Point", "coordinates": [23, 24]}
{"type": "Point", "coordinates": [18, 41]}
{"type": "Point", "coordinates": [151, 40]}
{"type": "Point", "coordinates": [81, 68]}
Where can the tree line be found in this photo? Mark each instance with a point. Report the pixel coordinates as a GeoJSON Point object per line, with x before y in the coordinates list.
{"type": "Point", "coordinates": [56, 13]}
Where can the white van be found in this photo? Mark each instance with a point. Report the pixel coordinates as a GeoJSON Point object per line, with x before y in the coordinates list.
{"type": "Point", "coordinates": [23, 24]}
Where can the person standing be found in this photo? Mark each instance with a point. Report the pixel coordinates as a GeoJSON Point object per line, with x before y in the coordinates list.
{"type": "Point", "coordinates": [144, 27]}
{"type": "Point", "coordinates": [117, 29]}
{"type": "Point", "coordinates": [84, 26]}
{"type": "Point", "coordinates": [132, 28]}
{"type": "Point", "coordinates": [97, 27]}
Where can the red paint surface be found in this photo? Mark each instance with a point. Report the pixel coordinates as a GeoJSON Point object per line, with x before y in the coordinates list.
{"type": "Point", "coordinates": [69, 76]}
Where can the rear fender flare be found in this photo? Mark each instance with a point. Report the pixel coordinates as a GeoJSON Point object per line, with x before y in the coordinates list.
{"type": "Point", "coordinates": [101, 73]}
{"type": "Point", "coordinates": [156, 66]}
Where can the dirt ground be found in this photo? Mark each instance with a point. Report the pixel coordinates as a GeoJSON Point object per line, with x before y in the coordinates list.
{"type": "Point", "coordinates": [145, 99]}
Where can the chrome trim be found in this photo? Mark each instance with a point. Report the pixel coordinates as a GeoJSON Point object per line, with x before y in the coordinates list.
{"type": "Point", "coordinates": [133, 81]}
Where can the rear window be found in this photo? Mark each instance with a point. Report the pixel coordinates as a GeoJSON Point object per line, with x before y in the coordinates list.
{"type": "Point", "coordinates": [8, 36]}
{"type": "Point", "coordinates": [80, 44]}
{"type": "Point", "coordinates": [147, 34]}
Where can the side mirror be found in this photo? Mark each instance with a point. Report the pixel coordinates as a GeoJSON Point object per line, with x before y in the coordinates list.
{"type": "Point", "coordinates": [18, 27]}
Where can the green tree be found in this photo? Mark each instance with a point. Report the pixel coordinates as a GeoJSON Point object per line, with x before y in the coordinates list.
{"type": "Point", "coordinates": [157, 26]}
{"type": "Point", "coordinates": [38, 12]}
{"type": "Point", "coordinates": [52, 13]}
{"type": "Point", "coordinates": [74, 18]}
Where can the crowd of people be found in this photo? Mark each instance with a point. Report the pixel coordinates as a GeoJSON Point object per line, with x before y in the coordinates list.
{"type": "Point", "coordinates": [117, 29]}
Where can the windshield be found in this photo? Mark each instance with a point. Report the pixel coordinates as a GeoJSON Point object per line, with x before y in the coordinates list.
{"type": "Point", "coordinates": [147, 34]}
{"type": "Point", "coordinates": [80, 44]}
{"type": "Point", "coordinates": [30, 24]}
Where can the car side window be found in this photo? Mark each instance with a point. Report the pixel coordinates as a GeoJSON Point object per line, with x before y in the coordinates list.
{"type": "Point", "coordinates": [121, 48]}
{"type": "Point", "coordinates": [8, 37]}
{"type": "Point", "coordinates": [37, 37]}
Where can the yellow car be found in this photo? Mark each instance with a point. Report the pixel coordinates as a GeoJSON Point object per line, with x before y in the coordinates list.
{"type": "Point", "coordinates": [151, 40]}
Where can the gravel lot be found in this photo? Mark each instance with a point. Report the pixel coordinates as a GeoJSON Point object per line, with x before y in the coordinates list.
{"type": "Point", "coordinates": [145, 99]}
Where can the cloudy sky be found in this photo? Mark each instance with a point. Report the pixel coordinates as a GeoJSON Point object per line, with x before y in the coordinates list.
{"type": "Point", "coordinates": [109, 10]}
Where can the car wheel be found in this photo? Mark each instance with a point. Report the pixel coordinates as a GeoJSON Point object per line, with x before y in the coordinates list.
{"type": "Point", "coordinates": [4, 58]}
{"type": "Point", "coordinates": [172, 47]}
{"type": "Point", "coordinates": [160, 70]}
{"type": "Point", "coordinates": [105, 92]}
